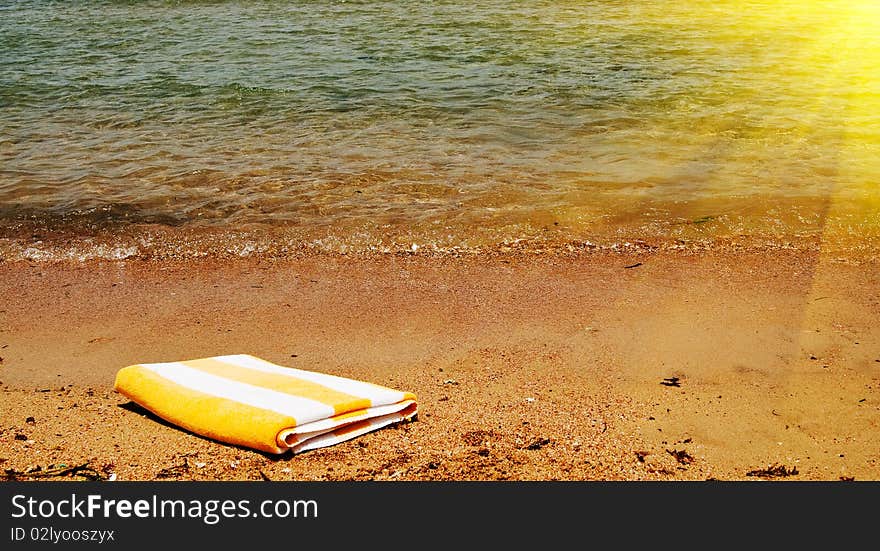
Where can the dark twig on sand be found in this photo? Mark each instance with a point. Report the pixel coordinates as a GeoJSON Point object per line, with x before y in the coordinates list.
{"type": "Point", "coordinates": [682, 456]}
{"type": "Point", "coordinates": [175, 470]}
{"type": "Point", "coordinates": [83, 470]}
{"type": "Point", "coordinates": [537, 444]}
{"type": "Point", "coordinates": [774, 471]}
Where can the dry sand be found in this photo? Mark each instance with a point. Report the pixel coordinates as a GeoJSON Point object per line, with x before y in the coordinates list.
{"type": "Point", "coordinates": [526, 366]}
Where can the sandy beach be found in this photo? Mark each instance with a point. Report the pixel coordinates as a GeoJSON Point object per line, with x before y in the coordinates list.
{"type": "Point", "coordinates": [640, 365]}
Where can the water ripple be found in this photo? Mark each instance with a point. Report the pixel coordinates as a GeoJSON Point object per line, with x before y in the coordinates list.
{"type": "Point", "coordinates": [346, 115]}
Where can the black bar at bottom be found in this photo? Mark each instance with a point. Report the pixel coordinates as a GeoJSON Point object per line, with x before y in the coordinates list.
{"type": "Point", "coordinates": [392, 514]}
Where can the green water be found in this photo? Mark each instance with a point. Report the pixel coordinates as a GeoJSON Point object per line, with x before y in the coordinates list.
{"type": "Point", "coordinates": [439, 122]}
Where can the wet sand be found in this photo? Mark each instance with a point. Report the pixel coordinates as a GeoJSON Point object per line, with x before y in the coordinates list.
{"type": "Point", "coordinates": [682, 366]}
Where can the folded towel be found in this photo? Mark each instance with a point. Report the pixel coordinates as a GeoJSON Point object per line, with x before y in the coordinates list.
{"type": "Point", "coordinates": [250, 402]}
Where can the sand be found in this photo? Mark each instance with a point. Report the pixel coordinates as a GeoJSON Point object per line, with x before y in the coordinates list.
{"type": "Point", "coordinates": [527, 367]}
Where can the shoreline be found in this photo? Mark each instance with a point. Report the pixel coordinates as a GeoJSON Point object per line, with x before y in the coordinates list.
{"type": "Point", "coordinates": [830, 224]}
{"type": "Point", "coordinates": [262, 245]}
{"type": "Point", "coordinates": [526, 366]}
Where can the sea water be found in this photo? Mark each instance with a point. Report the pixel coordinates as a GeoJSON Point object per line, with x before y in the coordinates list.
{"type": "Point", "coordinates": [365, 125]}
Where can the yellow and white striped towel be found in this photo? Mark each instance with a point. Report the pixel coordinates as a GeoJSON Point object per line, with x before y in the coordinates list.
{"type": "Point", "coordinates": [250, 402]}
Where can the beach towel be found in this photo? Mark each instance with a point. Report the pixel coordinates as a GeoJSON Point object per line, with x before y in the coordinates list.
{"type": "Point", "coordinates": [250, 402]}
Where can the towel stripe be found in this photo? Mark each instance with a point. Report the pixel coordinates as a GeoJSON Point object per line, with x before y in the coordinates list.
{"type": "Point", "coordinates": [303, 410]}
{"type": "Point", "coordinates": [293, 386]}
{"type": "Point", "coordinates": [378, 395]}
